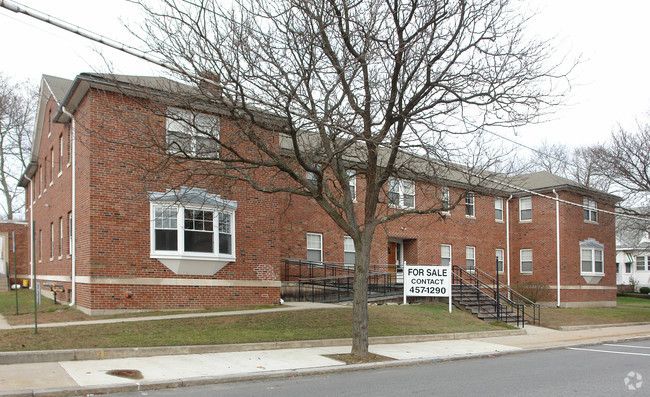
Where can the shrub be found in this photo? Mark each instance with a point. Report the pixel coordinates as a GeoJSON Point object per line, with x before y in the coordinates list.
{"type": "Point", "coordinates": [644, 290]}
{"type": "Point", "coordinates": [534, 290]}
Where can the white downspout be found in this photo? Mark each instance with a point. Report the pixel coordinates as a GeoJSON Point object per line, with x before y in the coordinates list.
{"type": "Point", "coordinates": [32, 276]}
{"type": "Point", "coordinates": [508, 242]}
{"type": "Point", "coordinates": [73, 245]}
{"type": "Point", "coordinates": [557, 243]}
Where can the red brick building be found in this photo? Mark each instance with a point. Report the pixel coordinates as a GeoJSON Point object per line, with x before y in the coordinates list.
{"type": "Point", "coordinates": [117, 240]}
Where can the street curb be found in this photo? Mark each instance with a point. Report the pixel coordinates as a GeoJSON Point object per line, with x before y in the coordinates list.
{"type": "Point", "coordinates": [595, 326]}
{"type": "Point", "coordinates": [42, 356]}
{"type": "Point", "coordinates": [280, 374]}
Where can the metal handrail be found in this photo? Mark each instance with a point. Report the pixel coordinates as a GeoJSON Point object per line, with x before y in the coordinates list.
{"type": "Point", "coordinates": [526, 301]}
{"type": "Point", "coordinates": [477, 284]}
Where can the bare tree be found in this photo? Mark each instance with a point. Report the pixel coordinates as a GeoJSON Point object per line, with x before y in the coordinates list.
{"type": "Point", "coordinates": [385, 89]}
{"type": "Point", "coordinates": [551, 157]}
{"type": "Point", "coordinates": [17, 104]}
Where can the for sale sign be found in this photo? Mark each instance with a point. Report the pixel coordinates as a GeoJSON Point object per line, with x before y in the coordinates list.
{"type": "Point", "coordinates": [427, 281]}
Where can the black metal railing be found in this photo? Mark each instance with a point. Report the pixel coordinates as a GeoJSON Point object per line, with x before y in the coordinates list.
{"type": "Point", "coordinates": [471, 291]}
{"type": "Point", "coordinates": [331, 282]}
{"type": "Point", "coordinates": [533, 310]}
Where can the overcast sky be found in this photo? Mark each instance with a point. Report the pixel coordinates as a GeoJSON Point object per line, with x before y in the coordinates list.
{"type": "Point", "coordinates": [610, 86]}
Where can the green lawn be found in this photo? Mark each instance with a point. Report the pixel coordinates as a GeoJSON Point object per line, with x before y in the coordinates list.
{"type": "Point", "coordinates": [267, 327]}
{"type": "Point", "coordinates": [48, 312]}
{"type": "Point", "coordinates": [628, 310]}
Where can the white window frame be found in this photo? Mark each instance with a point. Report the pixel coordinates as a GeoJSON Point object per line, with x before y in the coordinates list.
{"type": "Point", "coordinates": [593, 271]}
{"type": "Point", "coordinates": [445, 257]}
{"type": "Point", "coordinates": [60, 155]}
{"type": "Point", "coordinates": [470, 202]}
{"type": "Point", "coordinates": [528, 199]}
{"type": "Point", "coordinates": [593, 246]}
{"type": "Point", "coordinates": [498, 206]}
{"type": "Point", "coordinates": [180, 252]}
{"type": "Point", "coordinates": [472, 249]}
{"type": "Point", "coordinates": [645, 263]}
{"type": "Point", "coordinates": [590, 210]}
{"type": "Point", "coordinates": [51, 241]}
{"type": "Point", "coordinates": [401, 191]}
{"type": "Point", "coordinates": [352, 184]}
{"type": "Point", "coordinates": [320, 249]}
{"type": "Point", "coordinates": [521, 261]}
{"type": "Point", "coordinates": [501, 258]}
{"type": "Point", "coordinates": [52, 166]}
{"type": "Point", "coordinates": [60, 237]}
{"type": "Point", "coordinates": [69, 233]}
{"type": "Point", "coordinates": [446, 199]}
{"type": "Point", "coordinates": [186, 128]}
{"type": "Point", "coordinates": [347, 251]}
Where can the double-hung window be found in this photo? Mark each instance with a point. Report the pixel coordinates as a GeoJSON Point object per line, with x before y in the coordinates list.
{"type": "Point", "coordinates": [51, 240]}
{"type": "Point", "coordinates": [445, 255]}
{"type": "Point", "coordinates": [641, 263]}
{"type": "Point", "coordinates": [470, 258]}
{"type": "Point", "coordinates": [60, 163]}
{"type": "Point", "coordinates": [401, 193]}
{"type": "Point", "coordinates": [590, 210]}
{"type": "Point", "coordinates": [525, 209]}
{"type": "Point", "coordinates": [446, 202]}
{"type": "Point", "coordinates": [470, 207]}
{"type": "Point", "coordinates": [69, 233]}
{"type": "Point", "coordinates": [349, 253]}
{"type": "Point", "coordinates": [526, 261]}
{"type": "Point", "coordinates": [314, 247]}
{"type": "Point", "coordinates": [192, 134]}
{"type": "Point", "coordinates": [498, 209]}
{"type": "Point", "coordinates": [591, 258]}
{"type": "Point", "coordinates": [60, 237]}
{"type": "Point", "coordinates": [499, 259]}
{"type": "Point", "coordinates": [352, 183]}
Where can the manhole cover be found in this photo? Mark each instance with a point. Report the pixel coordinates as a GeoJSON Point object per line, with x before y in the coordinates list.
{"type": "Point", "coordinates": [126, 373]}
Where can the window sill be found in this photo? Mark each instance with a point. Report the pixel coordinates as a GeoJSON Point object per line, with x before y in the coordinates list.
{"type": "Point", "coordinates": [51, 183]}
{"type": "Point", "coordinates": [400, 207]}
{"type": "Point", "coordinates": [526, 221]}
{"type": "Point", "coordinates": [591, 222]}
{"type": "Point", "coordinates": [470, 216]}
{"type": "Point", "coordinates": [67, 165]}
{"type": "Point", "coordinates": [526, 273]}
{"type": "Point", "coordinates": [60, 257]}
{"type": "Point", "coordinates": [498, 220]}
{"type": "Point", "coordinates": [59, 174]}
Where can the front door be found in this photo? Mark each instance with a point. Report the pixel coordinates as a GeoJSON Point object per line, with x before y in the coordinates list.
{"type": "Point", "coordinates": [395, 258]}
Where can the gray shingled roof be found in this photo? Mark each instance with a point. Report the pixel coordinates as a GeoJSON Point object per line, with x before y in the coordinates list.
{"type": "Point", "coordinates": [59, 86]}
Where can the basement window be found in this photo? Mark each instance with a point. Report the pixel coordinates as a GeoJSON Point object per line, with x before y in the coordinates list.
{"type": "Point", "coordinates": [192, 231]}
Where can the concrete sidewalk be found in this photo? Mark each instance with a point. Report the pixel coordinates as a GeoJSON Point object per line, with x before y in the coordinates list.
{"type": "Point", "coordinates": [85, 377]}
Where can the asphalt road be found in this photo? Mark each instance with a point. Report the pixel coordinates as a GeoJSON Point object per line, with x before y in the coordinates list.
{"type": "Point", "coordinates": [598, 370]}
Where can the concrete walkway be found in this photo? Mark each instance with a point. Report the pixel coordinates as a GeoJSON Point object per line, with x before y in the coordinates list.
{"type": "Point", "coordinates": [284, 308]}
{"type": "Point", "coordinates": [91, 376]}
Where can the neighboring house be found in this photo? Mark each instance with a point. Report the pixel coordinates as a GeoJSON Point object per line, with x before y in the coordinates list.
{"type": "Point", "coordinates": [632, 253]}
{"type": "Point", "coordinates": [13, 263]}
{"type": "Point", "coordinates": [115, 240]}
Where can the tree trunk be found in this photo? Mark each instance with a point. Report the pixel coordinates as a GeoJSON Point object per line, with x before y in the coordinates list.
{"type": "Point", "coordinates": [360, 301]}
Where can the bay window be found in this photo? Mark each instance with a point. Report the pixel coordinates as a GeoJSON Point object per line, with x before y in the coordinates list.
{"type": "Point", "coordinates": [591, 258]}
{"type": "Point", "coordinates": [191, 226]}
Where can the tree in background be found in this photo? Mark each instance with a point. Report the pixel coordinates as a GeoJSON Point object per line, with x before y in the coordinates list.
{"type": "Point", "coordinates": [376, 90]}
{"type": "Point", "coordinates": [17, 104]}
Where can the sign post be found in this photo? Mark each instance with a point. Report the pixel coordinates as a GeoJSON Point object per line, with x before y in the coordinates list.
{"type": "Point", "coordinates": [427, 281]}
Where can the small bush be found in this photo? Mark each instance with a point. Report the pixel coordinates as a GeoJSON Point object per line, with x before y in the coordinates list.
{"type": "Point", "coordinates": [644, 290]}
{"type": "Point", "coordinates": [536, 291]}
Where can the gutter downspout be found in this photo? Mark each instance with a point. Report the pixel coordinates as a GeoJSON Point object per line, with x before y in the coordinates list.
{"type": "Point", "coordinates": [73, 245]}
{"type": "Point", "coordinates": [557, 243]}
{"type": "Point", "coordinates": [31, 232]}
{"type": "Point", "coordinates": [508, 242]}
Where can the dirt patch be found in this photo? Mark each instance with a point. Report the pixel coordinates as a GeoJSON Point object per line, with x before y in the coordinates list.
{"type": "Point", "coordinates": [351, 359]}
{"type": "Point", "coordinates": [126, 373]}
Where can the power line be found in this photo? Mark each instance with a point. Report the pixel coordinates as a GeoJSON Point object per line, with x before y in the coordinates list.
{"type": "Point", "coordinates": [85, 33]}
